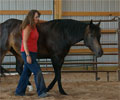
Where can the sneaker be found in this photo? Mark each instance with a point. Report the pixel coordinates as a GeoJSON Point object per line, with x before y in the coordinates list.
{"type": "Point", "coordinates": [43, 95]}
{"type": "Point", "coordinates": [30, 88]}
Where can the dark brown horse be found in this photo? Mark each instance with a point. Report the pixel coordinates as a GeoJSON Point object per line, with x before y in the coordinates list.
{"type": "Point", "coordinates": [55, 39]}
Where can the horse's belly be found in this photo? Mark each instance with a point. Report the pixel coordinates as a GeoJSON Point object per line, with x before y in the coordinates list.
{"type": "Point", "coordinates": [43, 54]}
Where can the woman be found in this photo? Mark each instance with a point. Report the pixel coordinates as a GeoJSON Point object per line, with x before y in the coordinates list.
{"type": "Point", "coordinates": [29, 53]}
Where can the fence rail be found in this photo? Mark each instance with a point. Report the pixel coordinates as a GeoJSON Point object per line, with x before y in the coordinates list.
{"type": "Point", "coordinates": [107, 51]}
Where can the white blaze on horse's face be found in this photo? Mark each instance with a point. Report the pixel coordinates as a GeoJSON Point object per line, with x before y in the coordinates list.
{"type": "Point", "coordinates": [92, 39]}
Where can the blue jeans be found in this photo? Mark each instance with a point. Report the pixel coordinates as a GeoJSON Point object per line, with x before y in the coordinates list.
{"type": "Point", "coordinates": [38, 77]}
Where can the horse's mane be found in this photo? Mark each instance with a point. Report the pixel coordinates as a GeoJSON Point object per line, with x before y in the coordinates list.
{"type": "Point", "coordinates": [0, 29]}
{"type": "Point", "coordinates": [72, 27]}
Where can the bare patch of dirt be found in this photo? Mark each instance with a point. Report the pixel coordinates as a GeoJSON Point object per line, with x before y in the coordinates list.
{"type": "Point", "coordinates": [79, 86]}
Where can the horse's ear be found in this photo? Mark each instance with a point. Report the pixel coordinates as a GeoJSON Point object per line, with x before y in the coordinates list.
{"type": "Point", "coordinates": [99, 23]}
{"type": "Point", "coordinates": [91, 22]}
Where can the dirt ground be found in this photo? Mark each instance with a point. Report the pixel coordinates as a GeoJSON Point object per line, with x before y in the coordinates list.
{"type": "Point", "coordinates": [79, 86]}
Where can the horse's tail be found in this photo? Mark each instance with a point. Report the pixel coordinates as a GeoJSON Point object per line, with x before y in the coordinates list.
{"type": "Point", "coordinates": [3, 36]}
{"type": "Point", "coordinates": [2, 47]}
{"type": "Point", "coordinates": [6, 29]}
{"type": "Point", "coordinates": [0, 35]}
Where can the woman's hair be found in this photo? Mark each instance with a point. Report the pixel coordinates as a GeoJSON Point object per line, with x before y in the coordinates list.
{"type": "Point", "coordinates": [29, 20]}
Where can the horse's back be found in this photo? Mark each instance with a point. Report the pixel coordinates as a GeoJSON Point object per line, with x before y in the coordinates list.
{"type": "Point", "coordinates": [62, 25]}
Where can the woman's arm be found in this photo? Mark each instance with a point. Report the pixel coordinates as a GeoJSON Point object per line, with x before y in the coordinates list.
{"type": "Point", "coordinates": [25, 39]}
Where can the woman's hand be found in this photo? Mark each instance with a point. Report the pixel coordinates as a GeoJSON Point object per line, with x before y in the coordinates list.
{"type": "Point", "coordinates": [29, 60]}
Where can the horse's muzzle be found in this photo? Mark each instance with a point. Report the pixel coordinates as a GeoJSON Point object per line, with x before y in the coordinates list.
{"type": "Point", "coordinates": [99, 54]}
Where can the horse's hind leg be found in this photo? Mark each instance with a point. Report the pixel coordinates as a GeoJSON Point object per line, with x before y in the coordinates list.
{"type": "Point", "coordinates": [19, 69]}
{"type": "Point", "coordinates": [57, 64]}
{"type": "Point", "coordinates": [19, 65]}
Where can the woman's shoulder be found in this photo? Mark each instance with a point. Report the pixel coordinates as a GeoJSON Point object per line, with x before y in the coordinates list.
{"type": "Point", "coordinates": [28, 27]}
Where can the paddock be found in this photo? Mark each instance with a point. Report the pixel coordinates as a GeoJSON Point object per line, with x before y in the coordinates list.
{"type": "Point", "coordinates": [79, 86]}
{"type": "Point", "coordinates": [84, 77]}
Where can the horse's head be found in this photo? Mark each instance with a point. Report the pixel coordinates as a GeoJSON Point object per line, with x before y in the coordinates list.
{"type": "Point", "coordinates": [92, 38]}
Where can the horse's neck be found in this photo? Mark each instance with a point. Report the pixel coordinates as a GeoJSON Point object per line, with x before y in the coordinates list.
{"type": "Point", "coordinates": [79, 36]}
{"type": "Point", "coordinates": [76, 31]}
{"type": "Point", "coordinates": [77, 39]}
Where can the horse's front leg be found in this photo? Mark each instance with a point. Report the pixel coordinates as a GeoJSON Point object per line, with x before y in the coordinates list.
{"type": "Point", "coordinates": [51, 84]}
{"type": "Point", "coordinates": [61, 90]}
{"type": "Point", "coordinates": [57, 64]}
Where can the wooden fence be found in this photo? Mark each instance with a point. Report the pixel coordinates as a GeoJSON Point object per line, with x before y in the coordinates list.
{"type": "Point", "coordinates": [73, 52]}
{"type": "Point", "coordinates": [57, 12]}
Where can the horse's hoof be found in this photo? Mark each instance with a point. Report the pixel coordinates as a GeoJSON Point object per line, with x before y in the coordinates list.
{"type": "Point", "coordinates": [63, 93]}
{"type": "Point", "coordinates": [47, 90]}
{"type": "Point", "coordinates": [2, 75]}
{"type": "Point", "coordinates": [30, 88]}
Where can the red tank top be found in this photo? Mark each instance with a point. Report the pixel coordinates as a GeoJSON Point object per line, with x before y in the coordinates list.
{"type": "Point", "coordinates": [32, 41]}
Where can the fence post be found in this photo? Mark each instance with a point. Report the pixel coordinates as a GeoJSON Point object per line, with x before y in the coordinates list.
{"type": "Point", "coordinates": [57, 9]}
{"type": "Point", "coordinates": [95, 67]}
{"type": "Point", "coordinates": [118, 49]}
